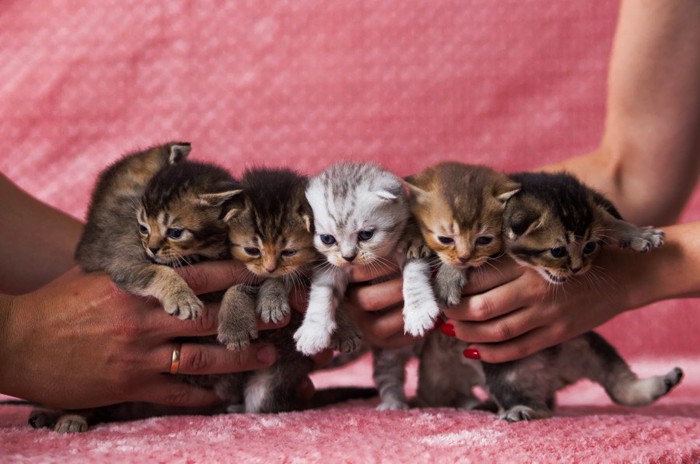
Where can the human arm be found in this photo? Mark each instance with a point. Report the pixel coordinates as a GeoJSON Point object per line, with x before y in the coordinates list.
{"type": "Point", "coordinates": [37, 240]}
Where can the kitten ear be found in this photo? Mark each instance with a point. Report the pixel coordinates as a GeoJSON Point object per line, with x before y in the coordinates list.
{"type": "Point", "coordinates": [391, 191]}
{"type": "Point", "coordinates": [217, 199]}
{"type": "Point", "coordinates": [505, 190]}
{"type": "Point", "coordinates": [179, 151]}
{"type": "Point", "coordinates": [308, 222]}
{"type": "Point", "coordinates": [415, 192]}
{"type": "Point", "coordinates": [522, 221]}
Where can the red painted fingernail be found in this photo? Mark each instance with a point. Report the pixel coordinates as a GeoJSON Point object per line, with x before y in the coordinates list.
{"type": "Point", "coordinates": [471, 353]}
{"type": "Point", "coordinates": [438, 323]}
{"type": "Point", "coordinates": [448, 329]}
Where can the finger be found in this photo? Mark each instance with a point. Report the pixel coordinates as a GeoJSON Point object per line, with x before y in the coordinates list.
{"type": "Point", "coordinates": [322, 359]}
{"type": "Point", "coordinates": [171, 391]}
{"type": "Point", "coordinates": [497, 330]}
{"type": "Point", "coordinates": [206, 324]}
{"type": "Point", "coordinates": [213, 276]}
{"type": "Point", "coordinates": [378, 329]}
{"type": "Point", "coordinates": [376, 271]}
{"type": "Point", "coordinates": [306, 389]}
{"type": "Point", "coordinates": [377, 296]}
{"type": "Point", "coordinates": [493, 303]}
{"type": "Point", "coordinates": [299, 299]}
{"type": "Point", "coordinates": [398, 340]}
{"type": "Point", "coordinates": [494, 273]}
{"type": "Point", "coordinates": [517, 348]}
{"type": "Point", "coordinates": [204, 358]}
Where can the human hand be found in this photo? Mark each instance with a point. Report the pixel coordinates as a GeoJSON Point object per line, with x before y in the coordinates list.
{"type": "Point", "coordinates": [81, 342]}
{"type": "Point", "coordinates": [376, 308]}
{"type": "Point", "coordinates": [509, 311]}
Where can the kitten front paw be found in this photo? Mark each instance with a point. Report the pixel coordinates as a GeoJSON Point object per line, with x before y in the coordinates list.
{"type": "Point", "coordinates": [312, 338]}
{"type": "Point", "coordinates": [270, 309]}
{"type": "Point", "coordinates": [346, 343]}
{"type": "Point", "coordinates": [648, 238]}
{"type": "Point", "coordinates": [235, 336]}
{"type": "Point", "coordinates": [447, 293]}
{"type": "Point", "coordinates": [418, 320]}
{"type": "Point", "coordinates": [183, 304]}
{"type": "Point", "coordinates": [417, 249]}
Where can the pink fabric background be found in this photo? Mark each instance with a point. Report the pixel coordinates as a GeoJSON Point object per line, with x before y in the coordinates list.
{"type": "Point", "coordinates": [304, 84]}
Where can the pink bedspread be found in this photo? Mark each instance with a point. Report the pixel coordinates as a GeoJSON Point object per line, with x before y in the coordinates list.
{"type": "Point", "coordinates": [304, 84]}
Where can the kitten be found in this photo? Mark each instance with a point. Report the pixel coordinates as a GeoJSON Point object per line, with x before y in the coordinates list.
{"type": "Point", "coordinates": [151, 211]}
{"type": "Point", "coordinates": [361, 218]}
{"type": "Point", "coordinates": [459, 209]}
{"type": "Point", "coordinates": [135, 238]}
{"type": "Point", "coordinates": [557, 226]}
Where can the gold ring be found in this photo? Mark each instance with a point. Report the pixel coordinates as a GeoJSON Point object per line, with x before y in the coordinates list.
{"type": "Point", "coordinates": [175, 358]}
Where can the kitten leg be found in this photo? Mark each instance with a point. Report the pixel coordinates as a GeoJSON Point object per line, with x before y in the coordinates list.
{"type": "Point", "coordinates": [237, 324]}
{"type": "Point", "coordinates": [161, 282]}
{"type": "Point", "coordinates": [607, 368]}
{"type": "Point", "coordinates": [389, 374]}
{"type": "Point", "coordinates": [420, 309]}
{"type": "Point", "coordinates": [273, 301]}
{"type": "Point", "coordinates": [346, 338]}
{"type": "Point", "coordinates": [445, 377]}
{"type": "Point", "coordinates": [327, 290]}
{"type": "Point", "coordinates": [625, 235]}
{"type": "Point", "coordinates": [448, 284]}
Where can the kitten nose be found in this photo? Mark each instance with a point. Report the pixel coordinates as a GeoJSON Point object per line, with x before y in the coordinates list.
{"type": "Point", "coordinates": [350, 258]}
{"type": "Point", "coordinates": [154, 250]}
{"type": "Point", "coordinates": [270, 268]}
{"type": "Point", "coordinates": [576, 270]}
{"type": "Point", "coordinates": [463, 259]}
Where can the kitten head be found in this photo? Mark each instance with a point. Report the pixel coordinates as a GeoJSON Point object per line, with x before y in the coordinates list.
{"type": "Point", "coordinates": [180, 216]}
{"type": "Point", "coordinates": [459, 209]}
{"type": "Point", "coordinates": [555, 225]}
{"type": "Point", "coordinates": [360, 211]}
{"type": "Point", "coordinates": [270, 223]}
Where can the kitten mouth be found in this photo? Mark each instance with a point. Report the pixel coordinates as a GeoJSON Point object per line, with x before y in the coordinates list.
{"type": "Point", "coordinates": [555, 279]}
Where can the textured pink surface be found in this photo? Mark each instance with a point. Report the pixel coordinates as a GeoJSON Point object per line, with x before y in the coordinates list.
{"type": "Point", "coordinates": [304, 84]}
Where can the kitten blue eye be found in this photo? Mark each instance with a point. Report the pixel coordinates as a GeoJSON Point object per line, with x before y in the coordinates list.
{"type": "Point", "coordinates": [252, 251]}
{"type": "Point", "coordinates": [143, 230]}
{"type": "Point", "coordinates": [327, 239]}
{"type": "Point", "coordinates": [365, 235]}
{"type": "Point", "coordinates": [445, 240]}
{"type": "Point", "coordinates": [288, 252]}
{"type": "Point", "coordinates": [590, 247]}
{"type": "Point", "coordinates": [174, 233]}
{"type": "Point", "coordinates": [485, 240]}
{"type": "Point", "coordinates": [558, 252]}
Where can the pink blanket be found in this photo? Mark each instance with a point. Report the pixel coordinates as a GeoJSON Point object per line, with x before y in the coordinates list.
{"type": "Point", "coordinates": [305, 84]}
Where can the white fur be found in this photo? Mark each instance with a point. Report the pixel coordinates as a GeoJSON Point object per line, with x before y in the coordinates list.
{"type": "Point", "coordinates": [420, 309]}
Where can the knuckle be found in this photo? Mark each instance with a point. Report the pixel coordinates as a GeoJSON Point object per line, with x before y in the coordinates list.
{"type": "Point", "coordinates": [481, 308]}
{"type": "Point", "coordinates": [196, 279]}
{"type": "Point", "coordinates": [196, 360]}
{"type": "Point", "coordinates": [503, 331]}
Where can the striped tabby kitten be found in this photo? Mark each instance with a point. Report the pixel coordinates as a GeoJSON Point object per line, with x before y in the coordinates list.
{"type": "Point", "coordinates": [361, 218]}
{"type": "Point", "coordinates": [459, 209]}
{"type": "Point", "coordinates": [557, 226]}
{"type": "Point", "coordinates": [136, 238]}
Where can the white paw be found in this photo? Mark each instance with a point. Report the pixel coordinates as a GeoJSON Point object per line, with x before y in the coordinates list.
{"type": "Point", "coordinates": [271, 310]}
{"type": "Point", "coordinates": [417, 321]}
{"type": "Point", "coordinates": [183, 305]}
{"type": "Point", "coordinates": [650, 238]}
{"type": "Point", "coordinates": [313, 338]}
{"type": "Point", "coordinates": [392, 405]}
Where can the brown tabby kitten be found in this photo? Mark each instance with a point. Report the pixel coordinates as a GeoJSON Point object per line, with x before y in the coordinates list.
{"type": "Point", "coordinates": [459, 209]}
{"type": "Point", "coordinates": [557, 226]}
{"type": "Point", "coordinates": [151, 210]}
{"type": "Point", "coordinates": [177, 224]}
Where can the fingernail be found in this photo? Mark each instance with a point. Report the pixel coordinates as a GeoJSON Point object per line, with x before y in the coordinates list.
{"type": "Point", "coordinates": [266, 354]}
{"type": "Point", "coordinates": [471, 353]}
{"type": "Point", "coordinates": [448, 329]}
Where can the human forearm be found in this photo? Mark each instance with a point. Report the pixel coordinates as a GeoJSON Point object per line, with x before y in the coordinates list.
{"type": "Point", "coordinates": [649, 157]}
{"type": "Point", "coordinates": [38, 240]}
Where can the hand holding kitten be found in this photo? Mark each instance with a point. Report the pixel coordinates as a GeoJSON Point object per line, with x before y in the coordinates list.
{"type": "Point", "coordinates": [113, 346]}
